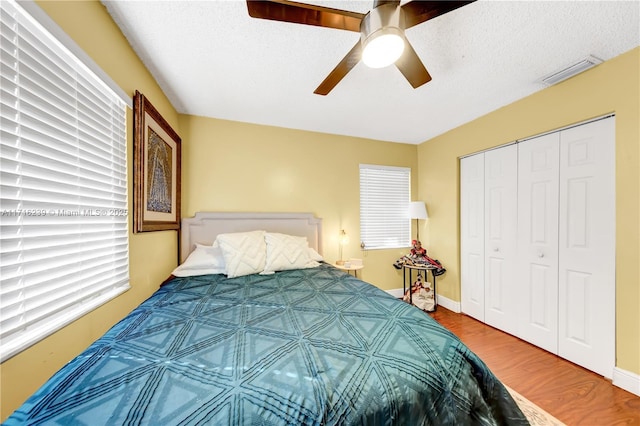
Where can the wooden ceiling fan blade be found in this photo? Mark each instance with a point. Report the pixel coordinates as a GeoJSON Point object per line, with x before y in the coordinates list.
{"type": "Point", "coordinates": [307, 14]}
{"type": "Point", "coordinates": [416, 12]}
{"type": "Point", "coordinates": [412, 67]}
{"type": "Point", "coordinates": [341, 70]}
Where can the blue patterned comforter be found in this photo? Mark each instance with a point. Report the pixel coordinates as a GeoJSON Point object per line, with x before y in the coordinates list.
{"type": "Point", "coordinates": [308, 347]}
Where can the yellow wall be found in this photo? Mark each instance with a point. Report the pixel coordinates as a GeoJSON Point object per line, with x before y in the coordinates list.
{"type": "Point", "coordinates": [231, 166]}
{"type": "Point", "coordinates": [152, 255]}
{"type": "Point", "coordinates": [612, 87]}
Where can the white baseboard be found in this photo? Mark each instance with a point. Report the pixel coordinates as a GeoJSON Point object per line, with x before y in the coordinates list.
{"type": "Point", "coordinates": [626, 380]}
{"type": "Point", "coordinates": [442, 301]}
{"type": "Point", "coordinates": [396, 292]}
{"type": "Point", "coordinates": [451, 305]}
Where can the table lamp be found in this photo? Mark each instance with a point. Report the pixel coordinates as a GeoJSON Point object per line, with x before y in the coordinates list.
{"type": "Point", "coordinates": [418, 210]}
{"type": "Point", "coordinates": [342, 241]}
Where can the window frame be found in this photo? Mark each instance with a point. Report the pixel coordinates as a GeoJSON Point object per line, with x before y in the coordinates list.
{"type": "Point", "coordinates": [52, 151]}
{"type": "Point", "coordinates": [387, 189]}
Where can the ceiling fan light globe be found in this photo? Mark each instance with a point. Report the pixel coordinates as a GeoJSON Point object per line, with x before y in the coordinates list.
{"type": "Point", "coordinates": [382, 50]}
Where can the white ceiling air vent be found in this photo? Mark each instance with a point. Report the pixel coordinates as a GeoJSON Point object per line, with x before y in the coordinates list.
{"type": "Point", "coordinates": [571, 70]}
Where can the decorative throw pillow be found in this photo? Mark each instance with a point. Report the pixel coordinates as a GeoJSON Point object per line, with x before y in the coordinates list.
{"type": "Point", "coordinates": [286, 252]}
{"type": "Point", "coordinates": [202, 261]}
{"type": "Point", "coordinates": [244, 252]}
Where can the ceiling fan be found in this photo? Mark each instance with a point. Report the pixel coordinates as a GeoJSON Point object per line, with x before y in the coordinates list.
{"type": "Point", "coordinates": [382, 40]}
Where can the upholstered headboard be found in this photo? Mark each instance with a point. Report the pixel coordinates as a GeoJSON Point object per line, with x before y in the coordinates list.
{"type": "Point", "coordinates": [204, 227]}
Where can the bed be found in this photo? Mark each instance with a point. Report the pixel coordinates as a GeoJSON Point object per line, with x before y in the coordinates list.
{"type": "Point", "coordinates": [308, 345]}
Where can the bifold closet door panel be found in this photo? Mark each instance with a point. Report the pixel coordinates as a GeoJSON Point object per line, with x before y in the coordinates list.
{"type": "Point", "coordinates": [587, 246]}
{"type": "Point", "coordinates": [538, 177]}
{"type": "Point", "coordinates": [472, 235]}
{"type": "Point", "coordinates": [500, 280]}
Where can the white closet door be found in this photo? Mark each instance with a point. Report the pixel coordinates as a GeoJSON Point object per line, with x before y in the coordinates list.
{"type": "Point", "coordinates": [501, 177]}
{"type": "Point", "coordinates": [472, 235]}
{"type": "Point", "coordinates": [587, 246]}
{"type": "Point", "coordinates": [538, 174]}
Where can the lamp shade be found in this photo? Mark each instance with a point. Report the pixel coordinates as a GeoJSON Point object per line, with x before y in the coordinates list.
{"type": "Point", "coordinates": [344, 238]}
{"type": "Point", "coordinates": [418, 210]}
{"type": "Point", "coordinates": [382, 50]}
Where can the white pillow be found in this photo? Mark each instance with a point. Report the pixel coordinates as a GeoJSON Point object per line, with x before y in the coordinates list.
{"type": "Point", "coordinates": [244, 252]}
{"type": "Point", "coordinates": [202, 261]}
{"type": "Point", "coordinates": [286, 252]}
{"type": "Point", "coordinates": [314, 255]}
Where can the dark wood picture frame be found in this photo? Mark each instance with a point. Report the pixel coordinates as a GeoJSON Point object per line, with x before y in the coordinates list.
{"type": "Point", "coordinates": [157, 168]}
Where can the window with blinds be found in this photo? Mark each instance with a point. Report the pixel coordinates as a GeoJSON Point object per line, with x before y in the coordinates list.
{"type": "Point", "coordinates": [385, 194]}
{"type": "Point", "coordinates": [63, 186]}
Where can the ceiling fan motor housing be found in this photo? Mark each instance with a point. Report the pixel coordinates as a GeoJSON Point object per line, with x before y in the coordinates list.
{"type": "Point", "coordinates": [382, 35]}
{"type": "Point", "coordinates": [386, 18]}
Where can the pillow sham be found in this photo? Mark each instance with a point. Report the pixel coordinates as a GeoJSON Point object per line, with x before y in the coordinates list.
{"type": "Point", "coordinates": [202, 261]}
{"type": "Point", "coordinates": [244, 252]}
{"type": "Point", "coordinates": [285, 252]}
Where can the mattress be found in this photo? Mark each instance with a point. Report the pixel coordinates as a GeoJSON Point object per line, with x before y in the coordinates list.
{"type": "Point", "coordinates": [313, 346]}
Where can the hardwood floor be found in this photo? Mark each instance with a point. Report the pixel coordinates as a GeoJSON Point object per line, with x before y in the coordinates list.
{"type": "Point", "coordinates": [571, 393]}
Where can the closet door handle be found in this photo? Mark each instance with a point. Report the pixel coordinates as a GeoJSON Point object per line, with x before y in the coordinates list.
{"type": "Point", "coordinates": [496, 249]}
{"type": "Point", "coordinates": [540, 255]}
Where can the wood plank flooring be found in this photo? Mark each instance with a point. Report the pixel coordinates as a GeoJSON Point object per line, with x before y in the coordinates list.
{"type": "Point", "coordinates": [570, 393]}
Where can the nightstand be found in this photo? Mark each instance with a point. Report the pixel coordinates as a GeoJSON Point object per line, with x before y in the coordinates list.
{"type": "Point", "coordinates": [351, 268]}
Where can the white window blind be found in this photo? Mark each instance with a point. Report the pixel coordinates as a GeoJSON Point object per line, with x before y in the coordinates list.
{"type": "Point", "coordinates": [385, 194]}
{"type": "Point", "coordinates": [63, 186]}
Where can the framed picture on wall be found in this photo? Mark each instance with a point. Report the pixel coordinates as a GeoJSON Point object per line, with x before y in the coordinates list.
{"type": "Point", "coordinates": [156, 173]}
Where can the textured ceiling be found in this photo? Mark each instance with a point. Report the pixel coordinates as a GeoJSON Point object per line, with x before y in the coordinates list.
{"type": "Point", "coordinates": [212, 59]}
